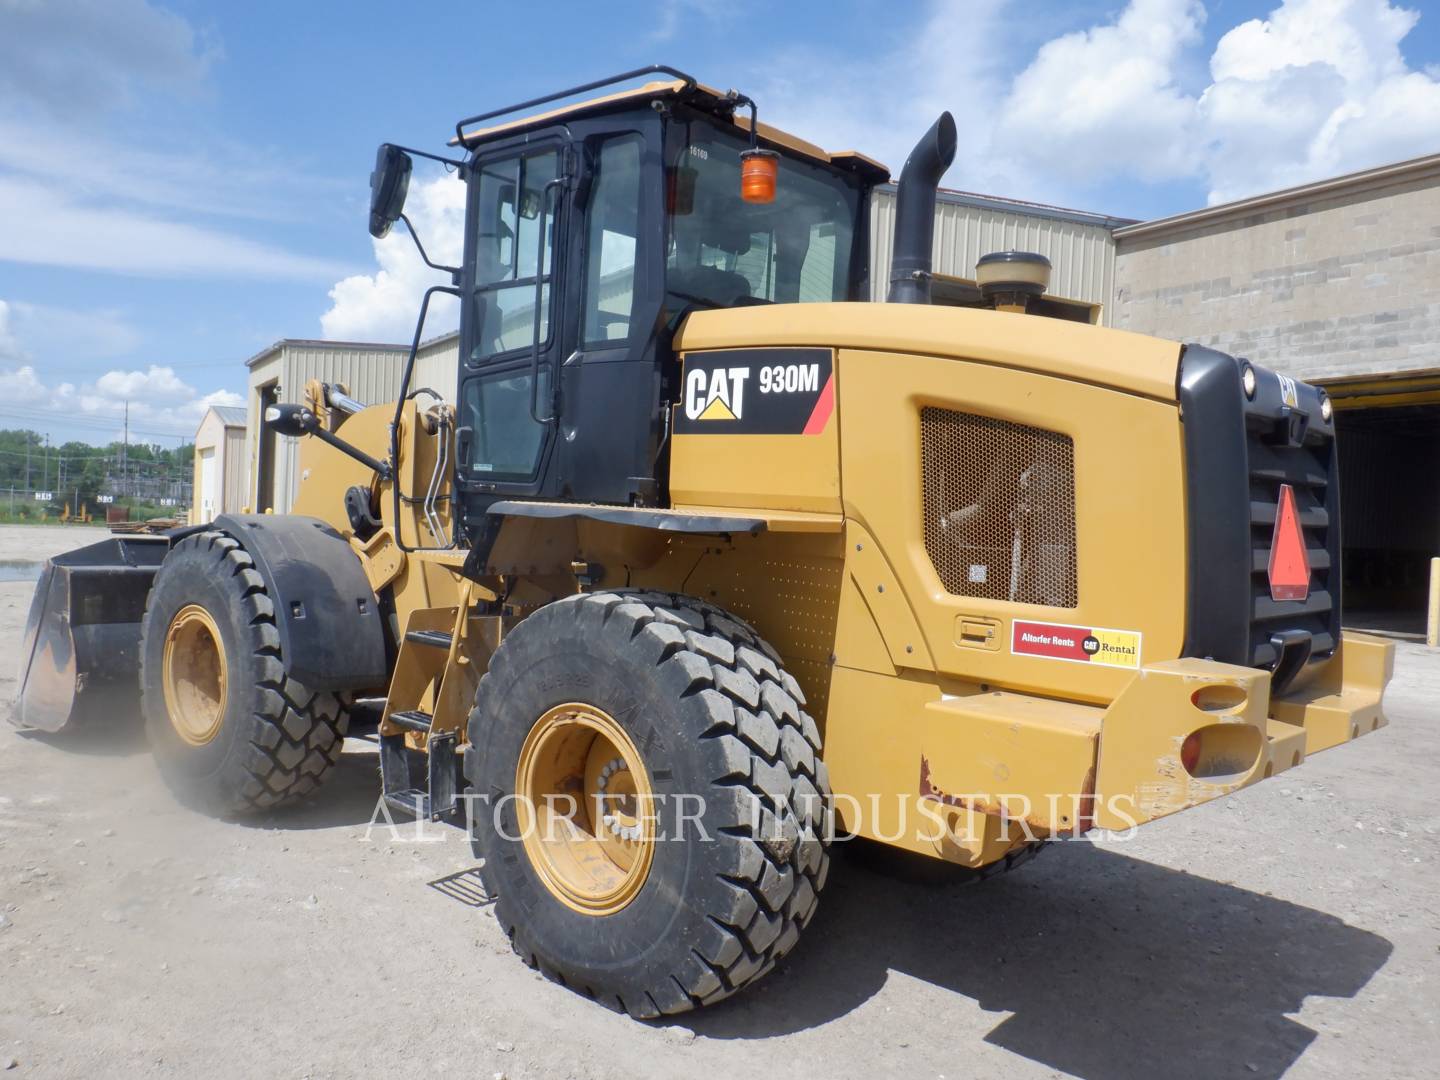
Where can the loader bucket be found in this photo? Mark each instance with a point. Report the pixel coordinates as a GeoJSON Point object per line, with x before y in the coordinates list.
{"type": "Point", "coordinates": [81, 650]}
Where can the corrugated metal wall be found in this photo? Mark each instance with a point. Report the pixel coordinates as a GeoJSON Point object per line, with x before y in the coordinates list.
{"type": "Point", "coordinates": [234, 466]}
{"type": "Point", "coordinates": [437, 365]}
{"type": "Point", "coordinates": [1083, 255]}
{"type": "Point", "coordinates": [262, 372]}
{"type": "Point", "coordinates": [370, 375]}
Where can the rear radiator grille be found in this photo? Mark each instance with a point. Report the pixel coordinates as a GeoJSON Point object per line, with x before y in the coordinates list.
{"type": "Point", "coordinates": [999, 508]}
{"type": "Point", "coordinates": [1309, 471]}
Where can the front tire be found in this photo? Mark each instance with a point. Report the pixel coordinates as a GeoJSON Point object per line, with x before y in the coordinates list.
{"type": "Point", "coordinates": [689, 701]}
{"type": "Point", "coordinates": [231, 732]}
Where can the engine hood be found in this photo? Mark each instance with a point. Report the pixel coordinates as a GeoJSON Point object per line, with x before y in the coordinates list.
{"type": "Point", "coordinates": [1134, 363]}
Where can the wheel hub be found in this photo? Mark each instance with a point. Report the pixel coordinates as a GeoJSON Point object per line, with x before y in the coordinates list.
{"type": "Point", "coordinates": [194, 675]}
{"type": "Point", "coordinates": [585, 809]}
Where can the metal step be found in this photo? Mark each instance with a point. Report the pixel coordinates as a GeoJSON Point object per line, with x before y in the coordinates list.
{"type": "Point", "coordinates": [412, 720]}
{"type": "Point", "coordinates": [438, 639]}
{"type": "Point", "coordinates": [397, 780]}
{"type": "Point", "coordinates": [409, 801]}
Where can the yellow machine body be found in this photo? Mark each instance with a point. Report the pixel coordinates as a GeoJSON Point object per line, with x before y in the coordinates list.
{"type": "Point", "coordinates": [940, 737]}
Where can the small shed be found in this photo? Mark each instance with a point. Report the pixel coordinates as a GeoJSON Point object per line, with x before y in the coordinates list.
{"type": "Point", "coordinates": [219, 464]}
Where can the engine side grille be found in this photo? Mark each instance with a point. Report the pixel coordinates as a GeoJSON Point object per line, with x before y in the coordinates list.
{"type": "Point", "coordinates": [999, 504]}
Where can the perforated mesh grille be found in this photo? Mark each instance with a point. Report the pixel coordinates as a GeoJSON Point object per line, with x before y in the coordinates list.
{"type": "Point", "coordinates": [999, 508]}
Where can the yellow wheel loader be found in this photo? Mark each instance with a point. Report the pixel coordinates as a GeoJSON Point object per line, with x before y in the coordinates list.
{"type": "Point", "coordinates": [709, 559]}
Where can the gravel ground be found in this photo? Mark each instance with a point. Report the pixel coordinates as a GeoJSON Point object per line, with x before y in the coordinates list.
{"type": "Point", "coordinates": [1291, 930]}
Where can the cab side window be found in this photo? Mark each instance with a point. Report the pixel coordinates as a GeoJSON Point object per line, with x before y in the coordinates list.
{"type": "Point", "coordinates": [511, 251]}
{"type": "Point", "coordinates": [614, 214]}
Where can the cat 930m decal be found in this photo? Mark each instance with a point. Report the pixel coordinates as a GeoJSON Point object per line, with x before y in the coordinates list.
{"type": "Point", "coordinates": [756, 392]}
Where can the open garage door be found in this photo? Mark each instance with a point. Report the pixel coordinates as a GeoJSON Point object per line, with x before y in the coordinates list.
{"type": "Point", "coordinates": [1389, 441]}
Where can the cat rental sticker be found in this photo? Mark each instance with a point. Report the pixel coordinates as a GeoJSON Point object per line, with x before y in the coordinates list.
{"type": "Point", "coordinates": [1080, 644]}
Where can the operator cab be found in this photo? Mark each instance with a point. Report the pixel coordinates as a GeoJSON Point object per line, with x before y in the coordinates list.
{"type": "Point", "coordinates": [591, 232]}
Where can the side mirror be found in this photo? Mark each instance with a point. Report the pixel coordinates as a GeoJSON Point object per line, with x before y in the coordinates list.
{"type": "Point", "coordinates": [291, 420]}
{"type": "Point", "coordinates": [389, 184]}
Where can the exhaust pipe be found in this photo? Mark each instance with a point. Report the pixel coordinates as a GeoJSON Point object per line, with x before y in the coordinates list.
{"type": "Point", "coordinates": [915, 212]}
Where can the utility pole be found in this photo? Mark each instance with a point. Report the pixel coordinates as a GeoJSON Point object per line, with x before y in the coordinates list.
{"type": "Point", "coordinates": [45, 474]}
{"type": "Point", "coordinates": [125, 453]}
{"type": "Point", "coordinates": [28, 435]}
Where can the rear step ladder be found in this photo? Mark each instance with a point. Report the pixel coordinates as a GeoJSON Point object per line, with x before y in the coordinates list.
{"type": "Point", "coordinates": [397, 781]}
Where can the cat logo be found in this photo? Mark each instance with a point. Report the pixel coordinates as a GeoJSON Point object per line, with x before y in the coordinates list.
{"type": "Point", "coordinates": [1288, 393]}
{"type": "Point", "coordinates": [756, 392]}
{"type": "Point", "coordinates": [717, 394]}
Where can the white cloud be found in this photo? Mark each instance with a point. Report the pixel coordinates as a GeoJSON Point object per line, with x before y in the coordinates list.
{"type": "Point", "coordinates": [157, 384]}
{"type": "Point", "coordinates": [160, 402]}
{"type": "Point", "coordinates": [22, 387]}
{"type": "Point", "coordinates": [1087, 93]}
{"type": "Point", "coordinates": [383, 306]}
{"type": "Point", "coordinates": [1316, 88]}
{"type": "Point", "coordinates": [58, 230]}
{"type": "Point", "coordinates": [1319, 87]}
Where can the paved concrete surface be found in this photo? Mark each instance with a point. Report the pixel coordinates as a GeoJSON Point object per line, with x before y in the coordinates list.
{"type": "Point", "coordinates": [1289, 931]}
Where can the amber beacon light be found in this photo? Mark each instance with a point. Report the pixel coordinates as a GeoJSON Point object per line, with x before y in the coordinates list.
{"type": "Point", "coordinates": [758, 169]}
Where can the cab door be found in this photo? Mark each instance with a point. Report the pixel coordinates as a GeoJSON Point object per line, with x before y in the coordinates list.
{"type": "Point", "coordinates": [565, 404]}
{"type": "Point", "coordinates": [510, 327]}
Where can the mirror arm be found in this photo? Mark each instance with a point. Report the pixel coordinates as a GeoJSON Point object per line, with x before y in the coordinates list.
{"type": "Point", "coordinates": [297, 421]}
{"type": "Point", "coordinates": [380, 468]}
{"type": "Point", "coordinates": [432, 157]}
{"type": "Point", "coordinates": [453, 271]}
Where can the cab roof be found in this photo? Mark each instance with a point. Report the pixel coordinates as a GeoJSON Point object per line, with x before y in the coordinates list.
{"type": "Point", "coordinates": [710, 100]}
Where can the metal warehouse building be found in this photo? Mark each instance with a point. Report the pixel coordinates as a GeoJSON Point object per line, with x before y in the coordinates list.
{"type": "Point", "coordinates": [1336, 282]}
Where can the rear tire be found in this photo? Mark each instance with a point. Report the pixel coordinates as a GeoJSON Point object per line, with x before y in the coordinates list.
{"type": "Point", "coordinates": [710, 711]}
{"type": "Point", "coordinates": [270, 741]}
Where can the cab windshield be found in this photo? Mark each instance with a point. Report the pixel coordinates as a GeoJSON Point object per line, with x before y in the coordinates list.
{"type": "Point", "coordinates": [725, 252]}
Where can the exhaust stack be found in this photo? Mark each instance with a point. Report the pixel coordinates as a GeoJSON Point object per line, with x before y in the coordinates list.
{"type": "Point", "coordinates": [915, 212]}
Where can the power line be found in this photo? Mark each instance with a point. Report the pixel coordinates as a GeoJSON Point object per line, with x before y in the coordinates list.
{"type": "Point", "coordinates": [92, 421]}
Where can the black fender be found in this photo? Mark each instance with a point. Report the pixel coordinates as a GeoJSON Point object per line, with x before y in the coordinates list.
{"type": "Point", "coordinates": [328, 616]}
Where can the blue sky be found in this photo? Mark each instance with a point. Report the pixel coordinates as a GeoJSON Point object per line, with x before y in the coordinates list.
{"type": "Point", "coordinates": [182, 183]}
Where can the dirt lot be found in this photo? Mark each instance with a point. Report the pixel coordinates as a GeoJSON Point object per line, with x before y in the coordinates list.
{"type": "Point", "coordinates": [1290, 930]}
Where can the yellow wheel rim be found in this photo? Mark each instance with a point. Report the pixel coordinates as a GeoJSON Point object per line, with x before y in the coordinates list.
{"type": "Point", "coordinates": [195, 675]}
{"type": "Point", "coordinates": [585, 808]}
